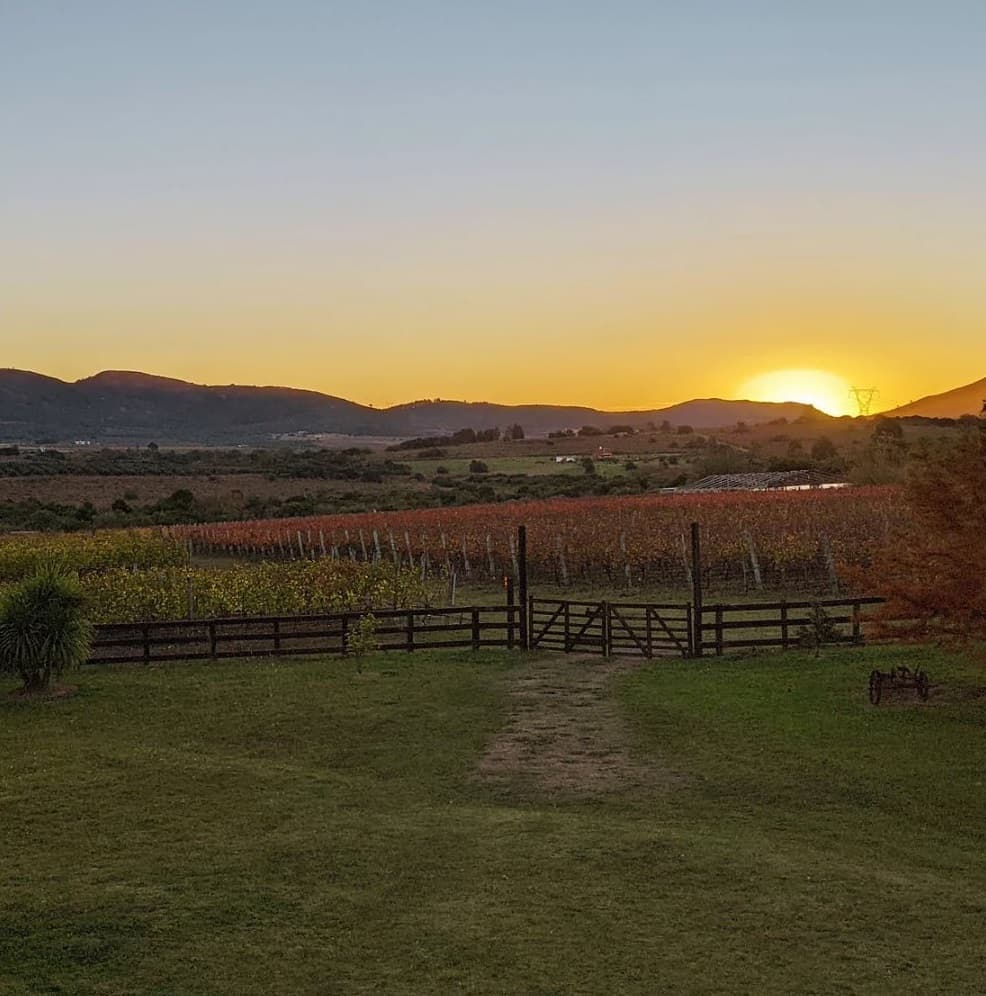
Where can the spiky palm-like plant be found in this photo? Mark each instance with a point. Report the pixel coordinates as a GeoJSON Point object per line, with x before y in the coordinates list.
{"type": "Point", "coordinates": [44, 629]}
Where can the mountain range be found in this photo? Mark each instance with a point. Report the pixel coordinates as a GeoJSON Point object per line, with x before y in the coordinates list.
{"type": "Point", "coordinates": [123, 407]}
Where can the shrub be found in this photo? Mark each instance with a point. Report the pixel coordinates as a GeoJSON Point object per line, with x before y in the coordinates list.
{"type": "Point", "coordinates": [44, 629]}
{"type": "Point", "coordinates": [820, 629]}
{"type": "Point", "coordinates": [362, 638]}
{"type": "Point", "coordinates": [478, 467]}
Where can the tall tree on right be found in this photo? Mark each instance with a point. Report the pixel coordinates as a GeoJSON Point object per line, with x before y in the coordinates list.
{"type": "Point", "coordinates": [934, 570]}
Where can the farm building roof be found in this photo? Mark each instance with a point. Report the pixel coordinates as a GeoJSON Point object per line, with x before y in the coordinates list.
{"type": "Point", "coordinates": [767, 481]}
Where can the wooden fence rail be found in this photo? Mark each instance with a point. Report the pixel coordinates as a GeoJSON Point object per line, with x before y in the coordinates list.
{"type": "Point", "coordinates": [779, 624]}
{"type": "Point", "coordinates": [475, 627]}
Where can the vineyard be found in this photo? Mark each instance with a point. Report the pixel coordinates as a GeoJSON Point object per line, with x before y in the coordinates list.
{"type": "Point", "coordinates": [750, 539]}
{"type": "Point", "coordinates": [142, 575]}
{"type": "Point", "coordinates": [135, 550]}
{"type": "Point", "coordinates": [785, 541]}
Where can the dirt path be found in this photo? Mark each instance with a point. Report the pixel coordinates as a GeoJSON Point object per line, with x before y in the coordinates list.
{"type": "Point", "coordinates": [564, 735]}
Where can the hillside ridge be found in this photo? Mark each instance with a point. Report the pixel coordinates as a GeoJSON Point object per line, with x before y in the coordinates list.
{"type": "Point", "coordinates": [125, 406]}
{"type": "Point", "coordinates": [966, 400]}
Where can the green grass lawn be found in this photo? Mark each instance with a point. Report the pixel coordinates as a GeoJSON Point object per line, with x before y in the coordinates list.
{"type": "Point", "coordinates": [297, 827]}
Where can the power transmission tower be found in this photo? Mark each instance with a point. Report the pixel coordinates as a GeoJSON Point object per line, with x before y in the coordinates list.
{"type": "Point", "coordinates": [863, 396]}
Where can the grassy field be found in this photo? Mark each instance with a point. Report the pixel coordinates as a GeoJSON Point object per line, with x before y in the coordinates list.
{"type": "Point", "coordinates": [488, 824]}
{"type": "Point", "coordinates": [532, 466]}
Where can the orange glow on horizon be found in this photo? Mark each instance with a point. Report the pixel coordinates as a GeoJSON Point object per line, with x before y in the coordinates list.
{"type": "Point", "coordinates": [826, 391]}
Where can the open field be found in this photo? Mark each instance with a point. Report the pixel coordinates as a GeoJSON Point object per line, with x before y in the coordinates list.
{"type": "Point", "coordinates": [229, 491]}
{"type": "Point", "coordinates": [492, 824]}
{"type": "Point", "coordinates": [530, 466]}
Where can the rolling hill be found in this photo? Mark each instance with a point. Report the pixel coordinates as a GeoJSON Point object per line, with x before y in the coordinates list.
{"type": "Point", "coordinates": [967, 400]}
{"type": "Point", "coordinates": [123, 407]}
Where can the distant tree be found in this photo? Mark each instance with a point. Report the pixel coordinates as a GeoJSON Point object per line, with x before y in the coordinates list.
{"type": "Point", "coordinates": [934, 571]}
{"type": "Point", "coordinates": [684, 430]}
{"type": "Point", "coordinates": [153, 447]}
{"type": "Point", "coordinates": [823, 449]}
{"type": "Point", "coordinates": [515, 431]}
{"type": "Point", "coordinates": [478, 467]}
{"type": "Point", "coordinates": [666, 426]}
{"type": "Point", "coordinates": [590, 430]}
{"type": "Point", "coordinates": [888, 428]}
{"type": "Point", "coordinates": [182, 499]}
{"type": "Point", "coordinates": [589, 466]}
{"type": "Point", "coordinates": [742, 427]}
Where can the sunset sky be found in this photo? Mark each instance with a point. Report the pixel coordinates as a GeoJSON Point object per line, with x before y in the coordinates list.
{"type": "Point", "coordinates": [621, 204]}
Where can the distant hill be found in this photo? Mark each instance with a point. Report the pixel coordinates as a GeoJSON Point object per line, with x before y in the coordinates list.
{"type": "Point", "coordinates": [961, 401]}
{"type": "Point", "coordinates": [136, 408]}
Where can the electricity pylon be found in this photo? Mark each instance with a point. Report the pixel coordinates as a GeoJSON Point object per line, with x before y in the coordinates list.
{"type": "Point", "coordinates": [863, 396]}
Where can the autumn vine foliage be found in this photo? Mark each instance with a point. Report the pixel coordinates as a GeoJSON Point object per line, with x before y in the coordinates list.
{"type": "Point", "coordinates": [934, 570]}
{"type": "Point", "coordinates": [627, 539]}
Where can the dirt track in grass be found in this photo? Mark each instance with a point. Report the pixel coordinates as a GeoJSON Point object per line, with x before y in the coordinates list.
{"type": "Point", "coordinates": [564, 735]}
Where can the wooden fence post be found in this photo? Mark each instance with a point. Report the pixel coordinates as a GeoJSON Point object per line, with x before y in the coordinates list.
{"type": "Point", "coordinates": [508, 583]}
{"type": "Point", "coordinates": [784, 640]}
{"type": "Point", "coordinates": [754, 559]}
{"type": "Point", "coordinates": [697, 587]}
{"type": "Point", "coordinates": [857, 627]}
{"type": "Point", "coordinates": [718, 631]}
{"type": "Point", "coordinates": [607, 632]}
{"type": "Point", "coordinates": [410, 630]}
{"type": "Point", "coordinates": [475, 628]}
{"type": "Point", "coordinates": [212, 640]}
{"type": "Point", "coordinates": [146, 639]}
{"type": "Point", "coordinates": [525, 621]}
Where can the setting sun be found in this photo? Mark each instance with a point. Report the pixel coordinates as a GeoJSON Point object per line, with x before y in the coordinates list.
{"type": "Point", "coordinates": [826, 391]}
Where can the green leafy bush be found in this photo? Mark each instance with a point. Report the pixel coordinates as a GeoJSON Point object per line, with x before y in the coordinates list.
{"type": "Point", "coordinates": [44, 629]}
{"type": "Point", "coordinates": [362, 639]}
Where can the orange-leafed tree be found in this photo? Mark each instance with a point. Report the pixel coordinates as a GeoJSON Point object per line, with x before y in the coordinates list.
{"type": "Point", "coordinates": [934, 570]}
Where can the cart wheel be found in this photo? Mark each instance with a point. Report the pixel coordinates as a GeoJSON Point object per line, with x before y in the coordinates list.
{"type": "Point", "coordinates": [876, 687]}
{"type": "Point", "coordinates": [923, 685]}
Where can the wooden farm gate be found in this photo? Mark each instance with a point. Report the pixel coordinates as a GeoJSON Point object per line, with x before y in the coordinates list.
{"type": "Point", "coordinates": [634, 629]}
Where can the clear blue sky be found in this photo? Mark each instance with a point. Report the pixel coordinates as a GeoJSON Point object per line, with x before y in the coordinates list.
{"type": "Point", "coordinates": [359, 197]}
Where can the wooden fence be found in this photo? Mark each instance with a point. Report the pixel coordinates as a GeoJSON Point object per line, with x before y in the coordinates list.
{"type": "Point", "coordinates": [637, 629]}
{"type": "Point", "coordinates": [644, 629]}
{"type": "Point", "coordinates": [747, 625]}
{"type": "Point", "coordinates": [474, 627]}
